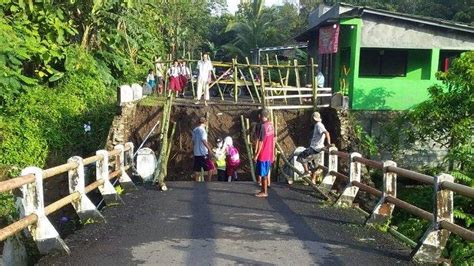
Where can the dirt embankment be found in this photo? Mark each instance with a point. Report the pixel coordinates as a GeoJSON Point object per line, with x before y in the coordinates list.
{"type": "Point", "coordinates": [294, 129]}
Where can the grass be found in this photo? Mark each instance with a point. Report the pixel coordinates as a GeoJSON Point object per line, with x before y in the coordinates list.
{"type": "Point", "coordinates": [152, 100]}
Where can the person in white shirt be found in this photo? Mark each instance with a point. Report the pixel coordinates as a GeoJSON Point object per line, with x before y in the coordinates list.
{"type": "Point", "coordinates": [150, 79]}
{"type": "Point", "coordinates": [173, 73]}
{"type": "Point", "coordinates": [320, 135]}
{"type": "Point", "coordinates": [184, 76]}
{"type": "Point", "coordinates": [205, 73]}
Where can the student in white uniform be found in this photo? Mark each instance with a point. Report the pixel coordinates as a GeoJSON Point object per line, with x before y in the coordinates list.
{"type": "Point", "coordinates": [205, 73]}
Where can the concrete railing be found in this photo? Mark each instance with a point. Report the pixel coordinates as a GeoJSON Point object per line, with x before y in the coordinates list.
{"type": "Point", "coordinates": [33, 213]}
{"type": "Point", "coordinates": [431, 245]}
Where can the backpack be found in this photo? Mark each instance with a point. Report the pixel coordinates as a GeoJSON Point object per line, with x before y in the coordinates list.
{"type": "Point", "coordinates": [234, 157]}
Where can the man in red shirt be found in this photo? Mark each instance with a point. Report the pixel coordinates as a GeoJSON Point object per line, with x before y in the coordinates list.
{"type": "Point", "coordinates": [264, 149]}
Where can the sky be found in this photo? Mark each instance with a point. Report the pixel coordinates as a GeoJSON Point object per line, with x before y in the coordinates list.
{"type": "Point", "coordinates": [232, 4]}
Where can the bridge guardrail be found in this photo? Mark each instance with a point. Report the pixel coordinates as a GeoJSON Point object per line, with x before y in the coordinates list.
{"type": "Point", "coordinates": [430, 246]}
{"type": "Point", "coordinates": [34, 214]}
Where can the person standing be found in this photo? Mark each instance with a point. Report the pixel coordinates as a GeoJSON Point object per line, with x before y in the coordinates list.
{"type": "Point", "coordinates": [173, 73]}
{"type": "Point", "coordinates": [205, 76]}
{"type": "Point", "coordinates": [264, 151]}
{"type": "Point", "coordinates": [150, 79]}
{"type": "Point", "coordinates": [159, 70]}
{"type": "Point", "coordinates": [320, 134]}
{"type": "Point", "coordinates": [201, 148]}
{"type": "Point", "coordinates": [184, 76]}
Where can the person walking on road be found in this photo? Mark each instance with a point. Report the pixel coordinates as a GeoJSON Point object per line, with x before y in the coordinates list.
{"type": "Point", "coordinates": [320, 134]}
{"type": "Point", "coordinates": [205, 76]}
{"type": "Point", "coordinates": [264, 155]}
{"type": "Point", "coordinates": [201, 148]}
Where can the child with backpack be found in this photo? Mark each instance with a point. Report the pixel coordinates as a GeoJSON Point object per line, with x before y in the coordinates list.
{"type": "Point", "coordinates": [232, 159]}
{"type": "Point", "coordinates": [220, 159]}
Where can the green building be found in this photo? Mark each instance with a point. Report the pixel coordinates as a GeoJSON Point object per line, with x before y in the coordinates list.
{"type": "Point", "coordinates": [382, 60]}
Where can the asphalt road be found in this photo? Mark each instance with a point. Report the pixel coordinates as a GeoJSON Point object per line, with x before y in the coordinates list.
{"type": "Point", "coordinates": [221, 224]}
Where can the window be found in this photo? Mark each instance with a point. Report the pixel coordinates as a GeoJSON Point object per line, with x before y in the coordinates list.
{"type": "Point", "coordinates": [383, 62]}
{"type": "Point", "coordinates": [446, 58]}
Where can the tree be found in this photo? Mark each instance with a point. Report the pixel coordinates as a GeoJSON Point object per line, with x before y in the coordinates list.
{"type": "Point", "coordinates": [447, 117]}
{"type": "Point", "coordinates": [258, 26]}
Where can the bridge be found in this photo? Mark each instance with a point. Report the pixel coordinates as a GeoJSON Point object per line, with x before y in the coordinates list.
{"type": "Point", "coordinates": [222, 223]}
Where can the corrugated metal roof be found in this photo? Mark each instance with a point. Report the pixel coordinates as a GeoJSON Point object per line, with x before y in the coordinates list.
{"type": "Point", "coordinates": [359, 11]}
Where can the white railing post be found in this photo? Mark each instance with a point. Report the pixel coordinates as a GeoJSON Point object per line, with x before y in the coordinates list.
{"type": "Point", "coordinates": [383, 210]}
{"type": "Point", "coordinates": [107, 190]}
{"type": "Point", "coordinates": [84, 207]}
{"type": "Point", "coordinates": [43, 232]}
{"type": "Point", "coordinates": [328, 180]}
{"type": "Point", "coordinates": [350, 191]}
{"type": "Point", "coordinates": [434, 240]}
{"type": "Point", "coordinates": [125, 180]}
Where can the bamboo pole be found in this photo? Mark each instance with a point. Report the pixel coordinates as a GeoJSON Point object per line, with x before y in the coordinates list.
{"type": "Point", "coordinates": [158, 175]}
{"type": "Point", "coordinates": [246, 85]}
{"type": "Point", "coordinates": [236, 87]}
{"type": "Point", "coordinates": [253, 80]}
{"type": "Point", "coordinates": [247, 126]}
{"type": "Point", "coordinates": [219, 78]}
{"type": "Point", "coordinates": [297, 77]}
{"type": "Point", "coordinates": [165, 164]}
{"type": "Point", "coordinates": [248, 148]}
{"type": "Point", "coordinates": [192, 82]}
{"type": "Point", "coordinates": [287, 73]}
{"type": "Point", "coordinates": [262, 86]}
{"type": "Point", "coordinates": [218, 86]}
{"type": "Point", "coordinates": [281, 78]}
{"type": "Point", "coordinates": [313, 84]}
{"type": "Point", "coordinates": [269, 72]}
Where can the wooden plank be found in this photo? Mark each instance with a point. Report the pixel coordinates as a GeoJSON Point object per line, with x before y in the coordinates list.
{"type": "Point", "coordinates": [297, 76]}
{"type": "Point", "coordinates": [324, 89]}
{"type": "Point", "coordinates": [289, 96]}
{"type": "Point", "coordinates": [236, 87]}
{"type": "Point", "coordinates": [262, 87]}
{"type": "Point", "coordinates": [313, 83]}
{"type": "Point", "coordinates": [288, 107]}
{"type": "Point", "coordinates": [287, 89]}
{"type": "Point", "coordinates": [324, 95]}
{"type": "Point", "coordinates": [281, 77]}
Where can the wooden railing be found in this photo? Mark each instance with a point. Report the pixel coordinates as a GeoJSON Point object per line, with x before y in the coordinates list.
{"type": "Point", "coordinates": [431, 245]}
{"type": "Point", "coordinates": [33, 213]}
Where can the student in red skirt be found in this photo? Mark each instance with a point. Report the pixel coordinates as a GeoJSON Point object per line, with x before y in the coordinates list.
{"type": "Point", "coordinates": [173, 73]}
{"type": "Point", "coordinates": [184, 76]}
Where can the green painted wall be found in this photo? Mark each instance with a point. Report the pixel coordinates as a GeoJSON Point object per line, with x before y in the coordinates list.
{"type": "Point", "coordinates": [398, 93]}
{"type": "Point", "coordinates": [381, 93]}
{"type": "Point", "coordinates": [349, 47]}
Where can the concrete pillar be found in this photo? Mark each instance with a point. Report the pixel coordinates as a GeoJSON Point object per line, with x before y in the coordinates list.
{"type": "Point", "coordinates": [84, 207]}
{"type": "Point", "coordinates": [434, 240]}
{"type": "Point", "coordinates": [328, 180]}
{"type": "Point", "coordinates": [107, 190]}
{"type": "Point", "coordinates": [125, 180]}
{"type": "Point", "coordinates": [350, 191]}
{"type": "Point", "coordinates": [383, 210]}
{"type": "Point", "coordinates": [43, 232]}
